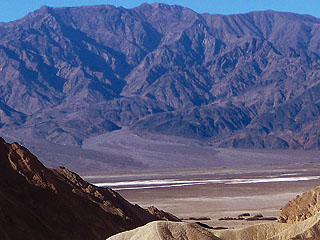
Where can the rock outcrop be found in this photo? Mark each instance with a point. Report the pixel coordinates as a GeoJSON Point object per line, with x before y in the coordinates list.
{"type": "Point", "coordinates": [162, 214]}
{"type": "Point", "coordinates": [40, 203]}
{"type": "Point", "coordinates": [302, 207]}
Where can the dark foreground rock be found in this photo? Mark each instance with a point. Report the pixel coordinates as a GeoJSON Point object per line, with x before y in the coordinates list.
{"type": "Point", "coordinates": [40, 203]}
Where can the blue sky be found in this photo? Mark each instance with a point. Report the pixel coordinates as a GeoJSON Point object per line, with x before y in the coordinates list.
{"type": "Point", "coordinates": [14, 9]}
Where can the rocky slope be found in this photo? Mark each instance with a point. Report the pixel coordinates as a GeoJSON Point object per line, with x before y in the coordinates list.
{"type": "Point", "coordinates": [302, 207]}
{"type": "Point", "coordinates": [244, 80]}
{"type": "Point", "coordinates": [160, 214]}
{"type": "Point", "coordinates": [39, 203]}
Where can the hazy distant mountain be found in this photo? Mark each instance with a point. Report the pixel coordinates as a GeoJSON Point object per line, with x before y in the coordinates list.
{"type": "Point", "coordinates": [247, 80]}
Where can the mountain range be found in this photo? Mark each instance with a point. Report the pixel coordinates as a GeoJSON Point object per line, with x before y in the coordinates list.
{"type": "Point", "coordinates": [244, 81]}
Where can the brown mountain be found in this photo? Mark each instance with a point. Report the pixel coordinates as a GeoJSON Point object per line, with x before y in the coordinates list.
{"type": "Point", "coordinates": [244, 80]}
{"type": "Point", "coordinates": [302, 207]}
{"type": "Point", "coordinates": [40, 203]}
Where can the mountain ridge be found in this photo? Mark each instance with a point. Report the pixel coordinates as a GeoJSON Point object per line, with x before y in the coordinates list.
{"type": "Point", "coordinates": [71, 73]}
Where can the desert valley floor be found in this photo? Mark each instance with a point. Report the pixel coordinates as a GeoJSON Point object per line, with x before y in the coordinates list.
{"type": "Point", "coordinates": [216, 193]}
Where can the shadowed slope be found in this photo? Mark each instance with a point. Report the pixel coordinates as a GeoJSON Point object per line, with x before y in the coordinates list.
{"type": "Point", "coordinates": [38, 203]}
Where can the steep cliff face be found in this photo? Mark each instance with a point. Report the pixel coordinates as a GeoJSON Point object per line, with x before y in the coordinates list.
{"type": "Point", "coordinates": [39, 203]}
{"type": "Point", "coordinates": [244, 80]}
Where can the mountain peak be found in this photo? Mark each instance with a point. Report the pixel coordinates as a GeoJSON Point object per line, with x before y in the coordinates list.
{"type": "Point", "coordinates": [45, 8]}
